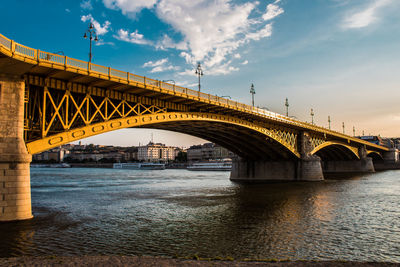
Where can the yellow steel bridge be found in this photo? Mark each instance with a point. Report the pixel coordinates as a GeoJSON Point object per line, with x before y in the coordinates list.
{"type": "Point", "coordinates": [67, 99]}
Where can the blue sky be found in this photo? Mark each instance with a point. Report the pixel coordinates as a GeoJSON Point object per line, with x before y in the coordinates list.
{"type": "Point", "coordinates": [339, 57]}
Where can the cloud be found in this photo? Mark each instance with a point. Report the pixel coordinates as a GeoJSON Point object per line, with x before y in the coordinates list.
{"type": "Point", "coordinates": [131, 37]}
{"type": "Point", "coordinates": [166, 42]}
{"type": "Point", "coordinates": [101, 42]}
{"type": "Point", "coordinates": [245, 62]}
{"type": "Point", "coordinates": [159, 65]}
{"type": "Point", "coordinates": [273, 10]}
{"type": "Point", "coordinates": [211, 31]}
{"type": "Point", "coordinates": [100, 30]}
{"type": "Point", "coordinates": [67, 10]}
{"type": "Point", "coordinates": [129, 7]}
{"type": "Point", "coordinates": [365, 17]}
{"type": "Point", "coordinates": [86, 4]}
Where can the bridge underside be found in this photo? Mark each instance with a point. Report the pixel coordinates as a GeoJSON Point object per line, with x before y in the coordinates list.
{"type": "Point", "coordinates": [242, 141]}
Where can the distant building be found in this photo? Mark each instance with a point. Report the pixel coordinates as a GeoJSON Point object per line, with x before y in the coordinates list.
{"type": "Point", "coordinates": [156, 152]}
{"type": "Point", "coordinates": [378, 140]}
{"type": "Point", "coordinates": [207, 152]}
{"type": "Point", "coordinates": [56, 154]}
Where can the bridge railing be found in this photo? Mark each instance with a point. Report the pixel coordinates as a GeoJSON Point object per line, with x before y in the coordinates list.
{"type": "Point", "coordinates": [99, 68]}
{"type": "Point", "coordinates": [41, 56]}
{"type": "Point", "coordinates": [5, 42]}
{"type": "Point", "coordinates": [50, 57]}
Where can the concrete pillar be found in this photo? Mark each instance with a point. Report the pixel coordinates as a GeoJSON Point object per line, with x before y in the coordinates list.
{"type": "Point", "coordinates": [349, 166]}
{"type": "Point", "coordinates": [364, 164]}
{"type": "Point", "coordinates": [307, 168]}
{"type": "Point", "coordinates": [15, 190]}
{"type": "Point", "coordinates": [391, 156]}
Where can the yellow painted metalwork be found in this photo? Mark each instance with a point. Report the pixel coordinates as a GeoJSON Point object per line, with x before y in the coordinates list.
{"type": "Point", "coordinates": [369, 152]}
{"type": "Point", "coordinates": [67, 136]}
{"type": "Point", "coordinates": [354, 150]}
{"type": "Point", "coordinates": [61, 118]}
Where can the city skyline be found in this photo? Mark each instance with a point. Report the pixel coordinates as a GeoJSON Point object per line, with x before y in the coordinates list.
{"type": "Point", "coordinates": [337, 57]}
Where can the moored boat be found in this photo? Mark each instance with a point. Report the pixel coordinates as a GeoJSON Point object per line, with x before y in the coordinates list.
{"type": "Point", "coordinates": [211, 166]}
{"type": "Point", "coordinates": [140, 166]}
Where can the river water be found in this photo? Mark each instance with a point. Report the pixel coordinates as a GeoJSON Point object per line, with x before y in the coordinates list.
{"type": "Point", "coordinates": [82, 211]}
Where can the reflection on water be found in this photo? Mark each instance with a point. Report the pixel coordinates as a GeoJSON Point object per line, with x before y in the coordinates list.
{"type": "Point", "coordinates": [177, 212]}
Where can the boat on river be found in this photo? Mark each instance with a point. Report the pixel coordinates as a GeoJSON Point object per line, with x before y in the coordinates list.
{"type": "Point", "coordinates": [211, 166]}
{"type": "Point", "coordinates": [140, 166]}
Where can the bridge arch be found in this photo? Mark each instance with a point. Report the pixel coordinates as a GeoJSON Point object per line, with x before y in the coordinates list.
{"type": "Point", "coordinates": [244, 138]}
{"type": "Point", "coordinates": [376, 156]}
{"type": "Point", "coordinates": [333, 150]}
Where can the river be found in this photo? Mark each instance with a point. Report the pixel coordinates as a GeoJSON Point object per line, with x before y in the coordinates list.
{"type": "Point", "coordinates": [82, 211]}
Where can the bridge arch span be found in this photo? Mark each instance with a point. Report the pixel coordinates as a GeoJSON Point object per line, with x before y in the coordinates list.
{"type": "Point", "coordinates": [244, 138]}
{"type": "Point", "coordinates": [376, 156]}
{"type": "Point", "coordinates": [332, 150]}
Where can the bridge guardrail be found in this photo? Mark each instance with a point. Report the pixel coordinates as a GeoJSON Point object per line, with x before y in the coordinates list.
{"type": "Point", "coordinates": [76, 63]}
{"type": "Point", "coordinates": [38, 55]}
{"type": "Point", "coordinates": [118, 74]}
{"type": "Point", "coordinates": [50, 57]}
{"type": "Point", "coordinates": [99, 68]}
{"type": "Point", "coordinates": [5, 42]}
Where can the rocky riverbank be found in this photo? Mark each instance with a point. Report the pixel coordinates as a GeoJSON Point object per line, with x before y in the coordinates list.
{"type": "Point", "coordinates": [146, 261]}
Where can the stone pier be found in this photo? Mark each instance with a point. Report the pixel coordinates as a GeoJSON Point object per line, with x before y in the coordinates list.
{"type": "Point", "coordinates": [15, 190]}
{"type": "Point", "coordinates": [362, 165]}
{"type": "Point", "coordinates": [307, 168]}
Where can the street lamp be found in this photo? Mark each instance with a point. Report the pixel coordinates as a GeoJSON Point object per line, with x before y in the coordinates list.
{"type": "Point", "coordinates": [329, 122]}
{"type": "Point", "coordinates": [354, 131]}
{"type": "Point", "coordinates": [312, 116]}
{"type": "Point", "coordinates": [252, 92]}
{"type": "Point", "coordinates": [287, 107]}
{"type": "Point", "coordinates": [199, 72]}
{"type": "Point", "coordinates": [92, 35]}
{"type": "Point", "coordinates": [343, 126]}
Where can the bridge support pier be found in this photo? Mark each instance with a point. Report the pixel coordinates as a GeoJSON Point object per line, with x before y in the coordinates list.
{"type": "Point", "coordinates": [307, 168]}
{"type": "Point", "coordinates": [15, 190]}
{"type": "Point", "coordinates": [362, 165]}
{"type": "Point", "coordinates": [263, 171]}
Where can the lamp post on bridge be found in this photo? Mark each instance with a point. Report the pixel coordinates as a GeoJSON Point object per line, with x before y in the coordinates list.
{"type": "Point", "coordinates": [287, 107]}
{"type": "Point", "coordinates": [199, 72]}
{"type": "Point", "coordinates": [354, 131]}
{"type": "Point", "coordinates": [92, 35]}
{"type": "Point", "coordinates": [252, 92]}
{"type": "Point", "coordinates": [343, 126]}
{"type": "Point", "coordinates": [312, 116]}
{"type": "Point", "coordinates": [329, 122]}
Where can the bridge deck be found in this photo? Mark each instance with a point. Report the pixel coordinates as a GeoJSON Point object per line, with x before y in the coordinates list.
{"type": "Point", "coordinates": [22, 60]}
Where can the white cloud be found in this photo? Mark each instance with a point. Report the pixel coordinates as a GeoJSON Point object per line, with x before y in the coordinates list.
{"type": "Point", "coordinates": [159, 65]}
{"type": "Point", "coordinates": [155, 64]}
{"type": "Point", "coordinates": [264, 32]}
{"type": "Point", "coordinates": [166, 42]}
{"type": "Point", "coordinates": [366, 16]}
{"type": "Point", "coordinates": [211, 30]}
{"type": "Point", "coordinates": [100, 29]}
{"type": "Point", "coordinates": [67, 10]}
{"type": "Point", "coordinates": [129, 7]}
{"type": "Point", "coordinates": [273, 11]}
{"type": "Point", "coordinates": [101, 42]}
{"type": "Point", "coordinates": [245, 62]}
{"type": "Point", "coordinates": [133, 37]}
{"type": "Point", "coordinates": [86, 4]}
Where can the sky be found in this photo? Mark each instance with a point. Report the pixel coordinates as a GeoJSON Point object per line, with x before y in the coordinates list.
{"type": "Point", "coordinates": [339, 57]}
